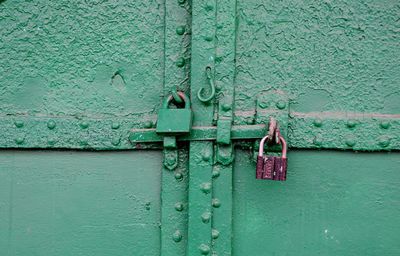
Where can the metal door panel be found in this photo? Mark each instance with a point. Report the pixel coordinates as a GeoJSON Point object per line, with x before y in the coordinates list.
{"type": "Point", "coordinates": [333, 203]}
{"type": "Point", "coordinates": [85, 58]}
{"type": "Point", "coordinates": [80, 203]}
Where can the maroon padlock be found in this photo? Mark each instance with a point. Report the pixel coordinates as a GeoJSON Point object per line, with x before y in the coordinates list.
{"type": "Point", "coordinates": [271, 167]}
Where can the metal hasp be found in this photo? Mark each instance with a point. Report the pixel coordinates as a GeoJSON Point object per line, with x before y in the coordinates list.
{"type": "Point", "coordinates": [172, 122]}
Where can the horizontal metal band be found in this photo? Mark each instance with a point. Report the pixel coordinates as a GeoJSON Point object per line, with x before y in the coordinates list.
{"type": "Point", "coordinates": [201, 133]}
{"type": "Point", "coordinates": [328, 130]}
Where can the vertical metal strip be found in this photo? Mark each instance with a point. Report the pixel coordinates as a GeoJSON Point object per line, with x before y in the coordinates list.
{"type": "Point", "coordinates": [200, 153]}
{"type": "Point", "coordinates": [222, 174]}
{"type": "Point", "coordinates": [200, 192]}
{"type": "Point", "coordinates": [174, 183]}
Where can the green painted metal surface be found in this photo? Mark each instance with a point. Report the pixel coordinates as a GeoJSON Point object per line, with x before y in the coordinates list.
{"type": "Point", "coordinates": [333, 203]}
{"type": "Point", "coordinates": [79, 203]}
{"type": "Point", "coordinates": [93, 75]}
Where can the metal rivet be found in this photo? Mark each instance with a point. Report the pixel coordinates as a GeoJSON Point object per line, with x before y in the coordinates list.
{"type": "Point", "coordinates": [115, 141]}
{"type": "Point", "coordinates": [181, 1]}
{"type": "Point", "coordinates": [51, 124]}
{"type": "Point", "coordinates": [209, 38]}
{"type": "Point", "coordinates": [180, 62]}
{"type": "Point", "coordinates": [317, 141]}
{"type": "Point", "coordinates": [179, 206]}
{"type": "Point", "coordinates": [214, 234]}
{"type": "Point", "coordinates": [19, 123]}
{"type": "Point", "coordinates": [115, 125]}
{"type": "Point", "coordinates": [84, 125]}
{"type": "Point", "coordinates": [180, 30]}
{"type": "Point", "coordinates": [19, 140]}
{"type": "Point", "coordinates": [209, 6]}
{"type": "Point", "coordinates": [206, 156]}
{"type": "Point", "coordinates": [177, 236]}
{"type": "Point", "coordinates": [204, 249]}
{"type": "Point", "coordinates": [351, 123]}
{"type": "Point", "coordinates": [206, 187]}
{"type": "Point", "coordinates": [350, 142]}
{"type": "Point", "coordinates": [148, 124]}
{"type": "Point", "coordinates": [318, 122]}
{"type": "Point", "coordinates": [205, 217]}
{"type": "Point", "coordinates": [215, 174]}
{"type": "Point", "coordinates": [263, 104]}
{"type": "Point", "coordinates": [281, 104]}
{"type": "Point", "coordinates": [51, 142]}
{"type": "Point", "coordinates": [226, 107]}
{"type": "Point", "coordinates": [384, 142]}
{"type": "Point", "coordinates": [384, 124]}
{"type": "Point", "coordinates": [250, 120]}
{"type": "Point", "coordinates": [178, 176]}
{"type": "Point", "coordinates": [216, 203]}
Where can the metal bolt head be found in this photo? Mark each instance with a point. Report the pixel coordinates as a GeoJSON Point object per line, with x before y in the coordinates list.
{"type": "Point", "coordinates": [19, 123]}
{"type": "Point", "coordinates": [206, 156]}
{"type": "Point", "coordinates": [51, 124]}
{"type": "Point", "coordinates": [215, 174]}
{"type": "Point", "coordinates": [209, 38]}
{"type": "Point", "coordinates": [384, 142]}
{"type": "Point", "coordinates": [148, 124]}
{"type": "Point", "coordinates": [226, 107]}
{"type": "Point", "coordinates": [179, 206]}
{"type": "Point", "coordinates": [180, 62]}
{"type": "Point", "coordinates": [384, 124]}
{"type": "Point", "coordinates": [178, 176]}
{"type": "Point", "coordinates": [205, 217]}
{"type": "Point", "coordinates": [84, 125]}
{"type": "Point", "coordinates": [115, 125]}
{"type": "Point", "coordinates": [204, 249]}
{"type": "Point", "coordinates": [216, 203]}
{"type": "Point", "coordinates": [317, 141]}
{"type": "Point", "coordinates": [180, 30]}
{"type": "Point", "coordinates": [317, 122]}
{"type": "Point", "coordinates": [351, 123]}
{"type": "Point", "coordinates": [115, 141]}
{"type": "Point", "coordinates": [281, 104]}
{"type": "Point", "coordinates": [214, 234]}
{"type": "Point", "coordinates": [51, 142]}
{"type": "Point", "coordinates": [206, 187]}
{"type": "Point", "coordinates": [350, 142]}
{"type": "Point", "coordinates": [177, 236]}
{"type": "Point", "coordinates": [263, 104]}
{"type": "Point", "coordinates": [19, 140]}
{"type": "Point", "coordinates": [209, 5]}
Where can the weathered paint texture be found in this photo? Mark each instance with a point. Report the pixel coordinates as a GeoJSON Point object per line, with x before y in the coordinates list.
{"type": "Point", "coordinates": [328, 55]}
{"type": "Point", "coordinates": [81, 58]}
{"type": "Point", "coordinates": [92, 75]}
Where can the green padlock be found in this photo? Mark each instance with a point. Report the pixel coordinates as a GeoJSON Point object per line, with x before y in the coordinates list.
{"type": "Point", "coordinates": [174, 121]}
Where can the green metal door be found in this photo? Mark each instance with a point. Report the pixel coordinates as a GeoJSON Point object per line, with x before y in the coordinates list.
{"type": "Point", "coordinates": [83, 171]}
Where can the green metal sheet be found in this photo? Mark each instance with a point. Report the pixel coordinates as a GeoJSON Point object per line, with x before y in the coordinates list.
{"type": "Point", "coordinates": [81, 58]}
{"type": "Point", "coordinates": [79, 203]}
{"type": "Point", "coordinates": [333, 203]}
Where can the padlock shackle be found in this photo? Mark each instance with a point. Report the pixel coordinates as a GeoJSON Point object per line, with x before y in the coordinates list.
{"type": "Point", "coordinates": [284, 147]}
{"type": "Point", "coordinates": [281, 139]}
{"type": "Point", "coordinates": [181, 95]}
{"type": "Point", "coordinates": [261, 148]}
